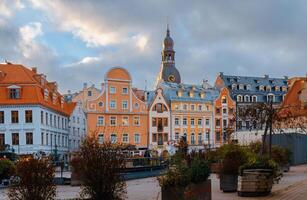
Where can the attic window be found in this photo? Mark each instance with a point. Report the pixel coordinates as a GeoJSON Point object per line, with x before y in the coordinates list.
{"type": "Point", "coordinates": [14, 93]}
{"type": "Point", "coordinates": [191, 94]}
{"type": "Point", "coordinates": [179, 93]}
{"type": "Point", "coordinates": [54, 98]}
{"type": "Point", "coordinates": [202, 95]}
{"type": "Point", "coordinates": [62, 102]}
{"type": "Point", "coordinates": [46, 94]}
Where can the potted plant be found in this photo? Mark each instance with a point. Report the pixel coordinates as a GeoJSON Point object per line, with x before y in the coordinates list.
{"type": "Point", "coordinates": [233, 156]}
{"type": "Point", "coordinates": [256, 176]}
{"type": "Point", "coordinates": [186, 179]}
{"type": "Point", "coordinates": [282, 157]}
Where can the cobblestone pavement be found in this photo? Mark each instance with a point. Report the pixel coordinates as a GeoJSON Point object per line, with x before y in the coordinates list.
{"type": "Point", "coordinates": [293, 186]}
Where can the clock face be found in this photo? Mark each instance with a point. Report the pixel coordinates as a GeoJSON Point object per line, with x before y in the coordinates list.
{"type": "Point", "coordinates": [171, 78]}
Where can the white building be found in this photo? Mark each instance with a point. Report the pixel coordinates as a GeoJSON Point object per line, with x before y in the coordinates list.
{"type": "Point", "coordinates": [77, 127]}
{"type": "Point", "coordinates": [33, 114]}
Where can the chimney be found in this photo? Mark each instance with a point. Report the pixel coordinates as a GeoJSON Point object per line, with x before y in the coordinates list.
{"type": "Point", "coordinates": [286, 77]}
{"type": "Point", "coordinates": [266, 76]}
{"type": "Point", "coordinates": [84, 85]}
{"type": "Point", "coordinates": [34, 69]}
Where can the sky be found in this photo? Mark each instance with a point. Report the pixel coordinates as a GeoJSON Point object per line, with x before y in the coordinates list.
{"type": "Point", "coordinates": [77, 41]}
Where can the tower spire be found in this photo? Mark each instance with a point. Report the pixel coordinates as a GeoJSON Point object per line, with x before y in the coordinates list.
{"type": "Point", "coordinates": [167, 30]}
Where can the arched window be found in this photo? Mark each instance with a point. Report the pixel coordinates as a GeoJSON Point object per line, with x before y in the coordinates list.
{"type": "Point", "coordinates": [159, 107]}
{"type": "Point", "coordinates": [234, 86]}
{"type": "Point", "coordinates": [246, 98]}
{"type": "Point", "coordinates": [268, 88]}
{"type": "Point", "coordinates": [192, 138]}
{"type": "Point", "coordinates": [261, 88]}
{"type": "Point", "coordinates": [271, 98]}
{"type": "Point", "coordinates": [239, 98]}
{"type": "Point", "coordinates": [254, 98]}
{"type": "Point", "coordinates": [224, 99]}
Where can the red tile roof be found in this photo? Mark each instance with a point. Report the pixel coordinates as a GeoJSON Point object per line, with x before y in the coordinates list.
{"type": "Point", "coordinates": [32, 86]}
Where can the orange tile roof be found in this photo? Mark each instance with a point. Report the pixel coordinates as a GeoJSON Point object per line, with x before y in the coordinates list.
{"type": "Point", "coordinates": [292, 104]}
{"type": "Point", "coordinates": [32, 89]}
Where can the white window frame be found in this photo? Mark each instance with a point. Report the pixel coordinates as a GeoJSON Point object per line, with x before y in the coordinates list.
{"type": "Point", "coordinates": [111, 119]}
{"type": "Point", "coordinates": [123, 103]}
{"type": "Point", "coordinates": [124, 89]}
{"type": "Point", "coordinates": [139, 120]}
{"type": "Point", "coordinates": [112, 90]}
{"type": "Point", "coordinates": [99, 138]}
{"type": "Point", "coordinates": [138, 141]}
{"type": "Point", "coordinates": [98, 120]}
{"type": "Point", "coordinates": [177, 121]}
{"type": "Point", "coordinates": [127, 117]}
{"type": "Point", "coordinates": [125, 135]}
{"type": "Point", "coordinates": [111, 103]}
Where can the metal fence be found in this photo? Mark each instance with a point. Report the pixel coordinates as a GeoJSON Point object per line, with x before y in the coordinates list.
{"type": "Point", "coordinates": [296, 143]}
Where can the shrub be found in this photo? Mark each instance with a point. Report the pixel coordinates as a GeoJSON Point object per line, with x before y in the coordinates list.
{"type": "Point", "coordinates": [233, 156]}
{"type": "Point", "coordinates": [7, 168]}
{"type": "Point", "coordinates": [33, 180]}
{"type": "Point", "coordinates": [100, 171]}
{"type": "Point", "coordinates": [281, 155]}
{"type": "Point", "coordinates": [190, 169]}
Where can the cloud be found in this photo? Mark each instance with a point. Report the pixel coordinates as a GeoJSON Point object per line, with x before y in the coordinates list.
{"type": "Point", "coordinates": [243, 38]}
{"type": "Point", "coordinates": [8, 7]}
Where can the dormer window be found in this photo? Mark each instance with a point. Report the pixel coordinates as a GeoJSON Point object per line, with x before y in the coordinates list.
{"type": "Point", "coordinates": [248, 87]}
{"type": "Point", "coordinates": [14, 92]}
{"type": "Point", "coordinates": [54, 97]}
{"type": "Point", "coordinates": [191, 94]}
{"type": "Point", "coordinates": [277, 88]}
{"type": "Point", "coordinates": [179, 93]}
{"type": "Point", "coordinates": [46, 94]}
{"type": "Point", "coordinates": [224, 99]}
{"type": "Point", "coordinates": [241, 87]}
{"type": "Point", "coordinates": [202, 95]}
{"type": "Point", "coordinates": [284, 88]}
{"type": "Point", "coordinates": [261, 88]}
{"type": "Point", "coordinates": [234, 86]}
{"type": "Point", "coordinates": [268, 88]}
{"type": "Point", "coordinates": [62, 102]}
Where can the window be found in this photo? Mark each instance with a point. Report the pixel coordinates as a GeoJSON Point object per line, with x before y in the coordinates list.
{"type": "Point", "coordinates": [240, 125]}
{"type": "Point", "coordinates": [200, 138]}
{"type": "Point", "coordinates": [218, 136]}
{"type": "Point", "coordinates": [192, 138]}
{"type": "Point", "coordinates": [1, 117]}
{"type": "Point", "coordinates": [101, 138]}
{"type": "Point", "coordinates": [247, 125]}
{"type": "Point", "coordinates": [136, 105]}
{"type": "Point", "coordinates": [42, 138]}
{"type": "Point", "coordinates": [154, 122]}
{"type": "Point", "coordinates": [284, 88]}
{"type": "Point", "coordinates": [234, 86]}
{"type": "Point", "coordinates": [14, 93]}
{"type": "Point", "coordinates": [176, 136]}
{"type": "Point", "coordinates": [225, 111]}
{"type": "Point", "coordinates": [47, 139]}
{"type": "Point", "coordinates": [125, 104]}
{"type": "Point", "coordinates": [261, 88]}
{"type": "Point", "coordinates": [218, 122]}
{"type": "Point", "coordinates": [51, 139]}
{"type": "Point", "coordinates": [192, 122]}
{"type": "Point", "coordinates": [113, 104]}
{"type": "Point", "coordinates": [112, 90]}
{"type": "Point", "coordinates": [185, 107]}
{"type": "Point", "coordinates": [192, 107]}
{"type": "Point", "coordinates": [125, 90]}
{"type": "Point", "coordinates": [239, 98]}
{"type": "Point", "coordinates": [29, 138]}
{"type": "Point", "coordinates": [14, 116]}
{"type": "Point", "coordinates": [100, 104]}
{"type": "Point", "coordinates": [165, 137]}
{"type": "Point", "coordinates": [54, 121]}
{"type": "Point", "coordinates": [42, 117]}
{"type": "Point", "coordinates": [224, 123]}
{"type": "Point", "coordinates": [154, 137]}
{"type": "Point", "coordinates": [246, 98]}
{"type": "Point", "coordinates": [165, 122]}
{"type": "Point", "coordinates": [2, 139]}
{"type": "Point", "coordinates": [89, 93]}
{"type": "Point", "coordinates": [271, 98]}
{"type": "Point", "coordinates": [125, 138]}
{"type": "Point", "coordinates": [15, 138]}
{"type": "Point", "coordinates": [46, 118]}
{"type": "Point", "coordinates": [241, 87]}
{"type": "Point", "coordinates": [200, 107]}
{"type": "Point", "coordinates": [224, 99]}
{"type": "Point", "coordinates": [100, 121]}
{"type": "Point", "coordinates": [112, 121]}
{"type": "Point", "coordinates": [184, 121]}
{"type": "Point", "coordinates": [176, 107]}
{"type": "Point", "coordinates": [159, 107]}
{"type": "Point", "coordinates": [207, 108]}
{"type": "Point", "coordinates": [200, 122]}
{"type": "Point", "coordinates": [136, 121]}
{"type": "Point", "coordinates": [50, 119]}
{"type": "Point", "coordinates": [136, 138]}
{"type": "Point", "coordinates": [218, 110]}
{"type": "Point", "coordinates": [125, 121]}
{"type": "Point", "coordinates": [177, 123]}
{"type": "Point", "coordinates": [254, 99]}
{"type": "Point", "coordinates": [207, 122]}
{"type": "Point", "coordinates": [230, 110]}
{"type": "Point", "coordinates": [28, 116]}
{"type": "Point", "coordinates": [113, 138]}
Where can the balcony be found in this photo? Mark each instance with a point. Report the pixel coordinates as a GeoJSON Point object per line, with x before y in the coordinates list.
{"type": "Point", "coordinates": [160, 128]}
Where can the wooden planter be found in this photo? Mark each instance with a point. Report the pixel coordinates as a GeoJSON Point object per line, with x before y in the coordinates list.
{"type": "Point", "coordinates": [255, 182]}
{"type": "Point", "coordinates": [228, 183]}
{"type": "Point", "coordinates": [215, 167]}
{"type": "Point", "coordinates": [200, 191]}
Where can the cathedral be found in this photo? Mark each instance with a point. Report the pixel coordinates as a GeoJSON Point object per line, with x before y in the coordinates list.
{"type": "Point", "coordinates": [168, 71]}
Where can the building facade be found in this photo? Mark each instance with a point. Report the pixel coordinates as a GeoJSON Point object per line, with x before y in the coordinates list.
{"type": "Point", "coordinates": [33, 114]}
{"type": "Point", "coordinates": [246, 91]}
{"type": "Point", "coordinates": [119, 114]}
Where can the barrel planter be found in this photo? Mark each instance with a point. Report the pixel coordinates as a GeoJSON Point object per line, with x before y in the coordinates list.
{"type": "Point", "coordinates": [255, 182]}
{"type": "Point", "coordinates": [228, 182]}
{"type": "Point", "coordinates": [199, 191]}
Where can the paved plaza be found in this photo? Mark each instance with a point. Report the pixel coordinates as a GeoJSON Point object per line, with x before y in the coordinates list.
{"type": "Point", "coordinates": [293, 186]}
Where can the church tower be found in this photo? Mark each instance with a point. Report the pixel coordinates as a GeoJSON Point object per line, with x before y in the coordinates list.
{"type": "Point", "coordinates": [168, 71]}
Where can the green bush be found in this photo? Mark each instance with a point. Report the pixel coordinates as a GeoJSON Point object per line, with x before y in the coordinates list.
{"type": "Point", "coordinates": [190, 169]}
{"type": "Point", "coordinates": [7, 168]}
{"type": "Point", "coordinates": [281, 155]}
{"type": "Point", "coordinates": [233, 156]}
